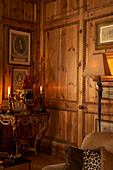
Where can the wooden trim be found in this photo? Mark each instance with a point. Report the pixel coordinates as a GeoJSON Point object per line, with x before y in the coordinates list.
{"type": "Point", "coordinates": [60, 109]}
{"type": "Point", "coordinates": [59, 100]}
{"type": "Point", "coordinates": [89, 17]}
{"type": "Point", "coordinates": [84, 62]}
{"type": "Point", "coordinates": [61, 21]}
{"type": "Point", "coordinates": [78, 63]}
{"type": "Point", "coordinates": [75, 135]}
{"type": "Point", "coordinates": [19, 23]}
{"type": "Point", "coordinates": [100, 7]}
{"type": "Point", "coordinates": [85, 5]}
{"type": "Point", "coordinates": [76, 12]}
{"type": "Point", "coordinates": [84, 56]}
{"type": "Point", "coordinates": [58, 140]}
{"type": "Point", "coordinates": [3, 67]}
{"type": "Point", "coordinates": [102, 114]}
{"type": "Point", "coordinates": [93, 108]}
{"type": "Point", "coordinates": [48, 1]}
{"type": "Point", "coordinates": [31, 1]}
{"type": "Point", "coordinates": [60, 26]}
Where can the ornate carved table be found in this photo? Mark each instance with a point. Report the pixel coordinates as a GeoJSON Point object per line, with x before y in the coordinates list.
{"type": "Point", "coordinates": [26, 119]}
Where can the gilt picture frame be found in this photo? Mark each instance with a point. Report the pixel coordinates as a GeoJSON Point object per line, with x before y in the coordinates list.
{"type": "Point", "coordinates": [19, 47]}
{"type": "Point", "coordinates": [106, 125]}
{"type": "Point", "coordinates": [104, 34]}
{"type": "Point", "coordinates": [18, 76]}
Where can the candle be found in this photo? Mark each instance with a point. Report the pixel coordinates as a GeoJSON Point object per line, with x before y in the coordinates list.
{"type": "Point", "coordinates": [40, 89]}
{"type": "Point", "coordinates": [8, 91]}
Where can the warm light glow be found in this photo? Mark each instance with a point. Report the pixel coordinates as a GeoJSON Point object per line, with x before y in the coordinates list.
{"type": "Point", "coordinates": [97, 65]}
{"type": "Point", "coordinates": [8, 91]}
{"type": "Point", "coordinates": [110, 63]}
{"type": "Point", "coordinates": [96, 87]}
{"type": "Point", "coordinates": [40, 89]}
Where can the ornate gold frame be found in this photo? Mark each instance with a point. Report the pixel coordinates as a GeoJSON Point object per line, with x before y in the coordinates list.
{"type": "Point", "coordinates": [16, 82]}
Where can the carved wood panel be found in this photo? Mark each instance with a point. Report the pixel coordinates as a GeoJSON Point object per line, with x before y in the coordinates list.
{"type": "Point", "coordinates": [60, 72]}
{"type": "Point", "coordinates": [59, 9]}
{"type": "Point", "coordinates": [61, 63]}
{"type": "Point", "coordinates": [62, 129]}
{"type": "Point", "coordinates": [99, 3]}
{"type": "Point", "coordinates": [19, 9]}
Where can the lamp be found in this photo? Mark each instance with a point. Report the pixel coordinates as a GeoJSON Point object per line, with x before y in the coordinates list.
{"type": "Point", "coordinates": [98, 66]}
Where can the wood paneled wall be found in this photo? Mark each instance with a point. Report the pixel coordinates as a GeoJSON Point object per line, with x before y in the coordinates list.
{"type": "Point", "coordinates": [67, 42]}
{"type": "Point", "coordinates": [59, 9]}
{"type": "Point", "coordinates": [24, 16]}
{"type": "Point", "coordinates": [19, 9]}
{"type": "Point", "coordinates": [61, 61]}
{"type": "Point", "coordinates": [63, 39]}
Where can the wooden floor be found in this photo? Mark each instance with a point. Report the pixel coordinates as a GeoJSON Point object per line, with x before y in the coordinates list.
{"type": "Point", "coordinates": [41, 160]}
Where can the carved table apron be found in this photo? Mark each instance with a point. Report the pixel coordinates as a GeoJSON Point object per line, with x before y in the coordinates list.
{"type": "Point", "coordinates": [34, 119]}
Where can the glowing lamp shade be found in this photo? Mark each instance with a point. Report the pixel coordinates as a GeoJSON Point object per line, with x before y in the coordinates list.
{"type": "Point", "coordinates": [97, 66]}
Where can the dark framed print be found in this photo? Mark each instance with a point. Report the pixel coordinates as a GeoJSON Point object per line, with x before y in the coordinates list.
{"type": "Point", "coordinates": [19, 47]}
{"type": "Point", "coordinates": [106, 125]}
{"type": "Point", "coordinates": [104, 34]}
{"type": "Point", "coordinates": [18, 79]}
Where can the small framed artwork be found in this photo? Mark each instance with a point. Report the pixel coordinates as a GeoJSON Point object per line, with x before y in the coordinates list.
{"type": "Point", "coordinates": [18, 79]}
{"type": "Point", "coordinates": [107, 92]}
{"type": "Point", "coordinates": [104, 34]}
{"type": "Point", "coordinates": [106, 125]}
{"type": "Point", "coordinates": [19, 47]}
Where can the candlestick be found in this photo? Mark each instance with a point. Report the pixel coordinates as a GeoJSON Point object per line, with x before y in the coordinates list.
{"type": "Point", "coordinates": [8, 91]}
{"type": "Point", "coordinates": [40, 100]}
{"type": "Point", "coordinates": [9, 111]}
{"type": "Point", "coordinates": [40, 89]}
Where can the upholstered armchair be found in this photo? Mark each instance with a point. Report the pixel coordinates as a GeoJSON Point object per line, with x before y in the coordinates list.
{"type": "Point", "coordinates": [99, 144]}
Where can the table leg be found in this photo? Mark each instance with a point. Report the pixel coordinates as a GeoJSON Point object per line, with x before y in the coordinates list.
{"type": "Point", "coordinates": [16, 138]}
{"type": "Point", "coordinates": [39, 135]}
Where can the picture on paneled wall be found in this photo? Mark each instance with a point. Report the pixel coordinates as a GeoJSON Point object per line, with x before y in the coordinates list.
{"type": "Point", "coordinates": [104, 34]}
{"type": "Point", "coordinates": [19, 47]}
{"type": "Point", "coordinates": [107, 92]}
{"type": "Point", "coordinates": [106, 125]}
{"type": "Point", "coordinates": [18, 79]}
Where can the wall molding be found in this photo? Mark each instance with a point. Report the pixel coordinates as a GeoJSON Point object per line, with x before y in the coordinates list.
{"type": "Point", "coordinates": [44, 37]}
{"type": "Point", "coordinates": [17, 23]}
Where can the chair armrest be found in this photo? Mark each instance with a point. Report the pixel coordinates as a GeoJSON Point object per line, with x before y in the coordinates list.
{"type": "Point", "coordinates": [54, 167]}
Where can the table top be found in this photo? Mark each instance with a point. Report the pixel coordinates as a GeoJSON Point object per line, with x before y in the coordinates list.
{"type": "Point", "coordinates": [21, 114]}
{"type": "Point", "coordinates": [16, 118]}
{"type": "Point", "coordinates": [16, 161]}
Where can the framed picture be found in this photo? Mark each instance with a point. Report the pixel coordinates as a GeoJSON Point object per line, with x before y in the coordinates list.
{"type": "Point", "coordinates": [18, 79]}
{"type": "Point", "coordinates": [19, 47]}
{"type": "Point", "coordinates": [106, 125]}
{"type": "Point", "coordinates": [104, 34]}
{"type": "Point", "coordinates": [107, 92]}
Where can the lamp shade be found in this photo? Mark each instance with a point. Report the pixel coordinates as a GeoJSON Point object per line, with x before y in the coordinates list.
{"type": "Point", "coordinates": [97, 66]}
